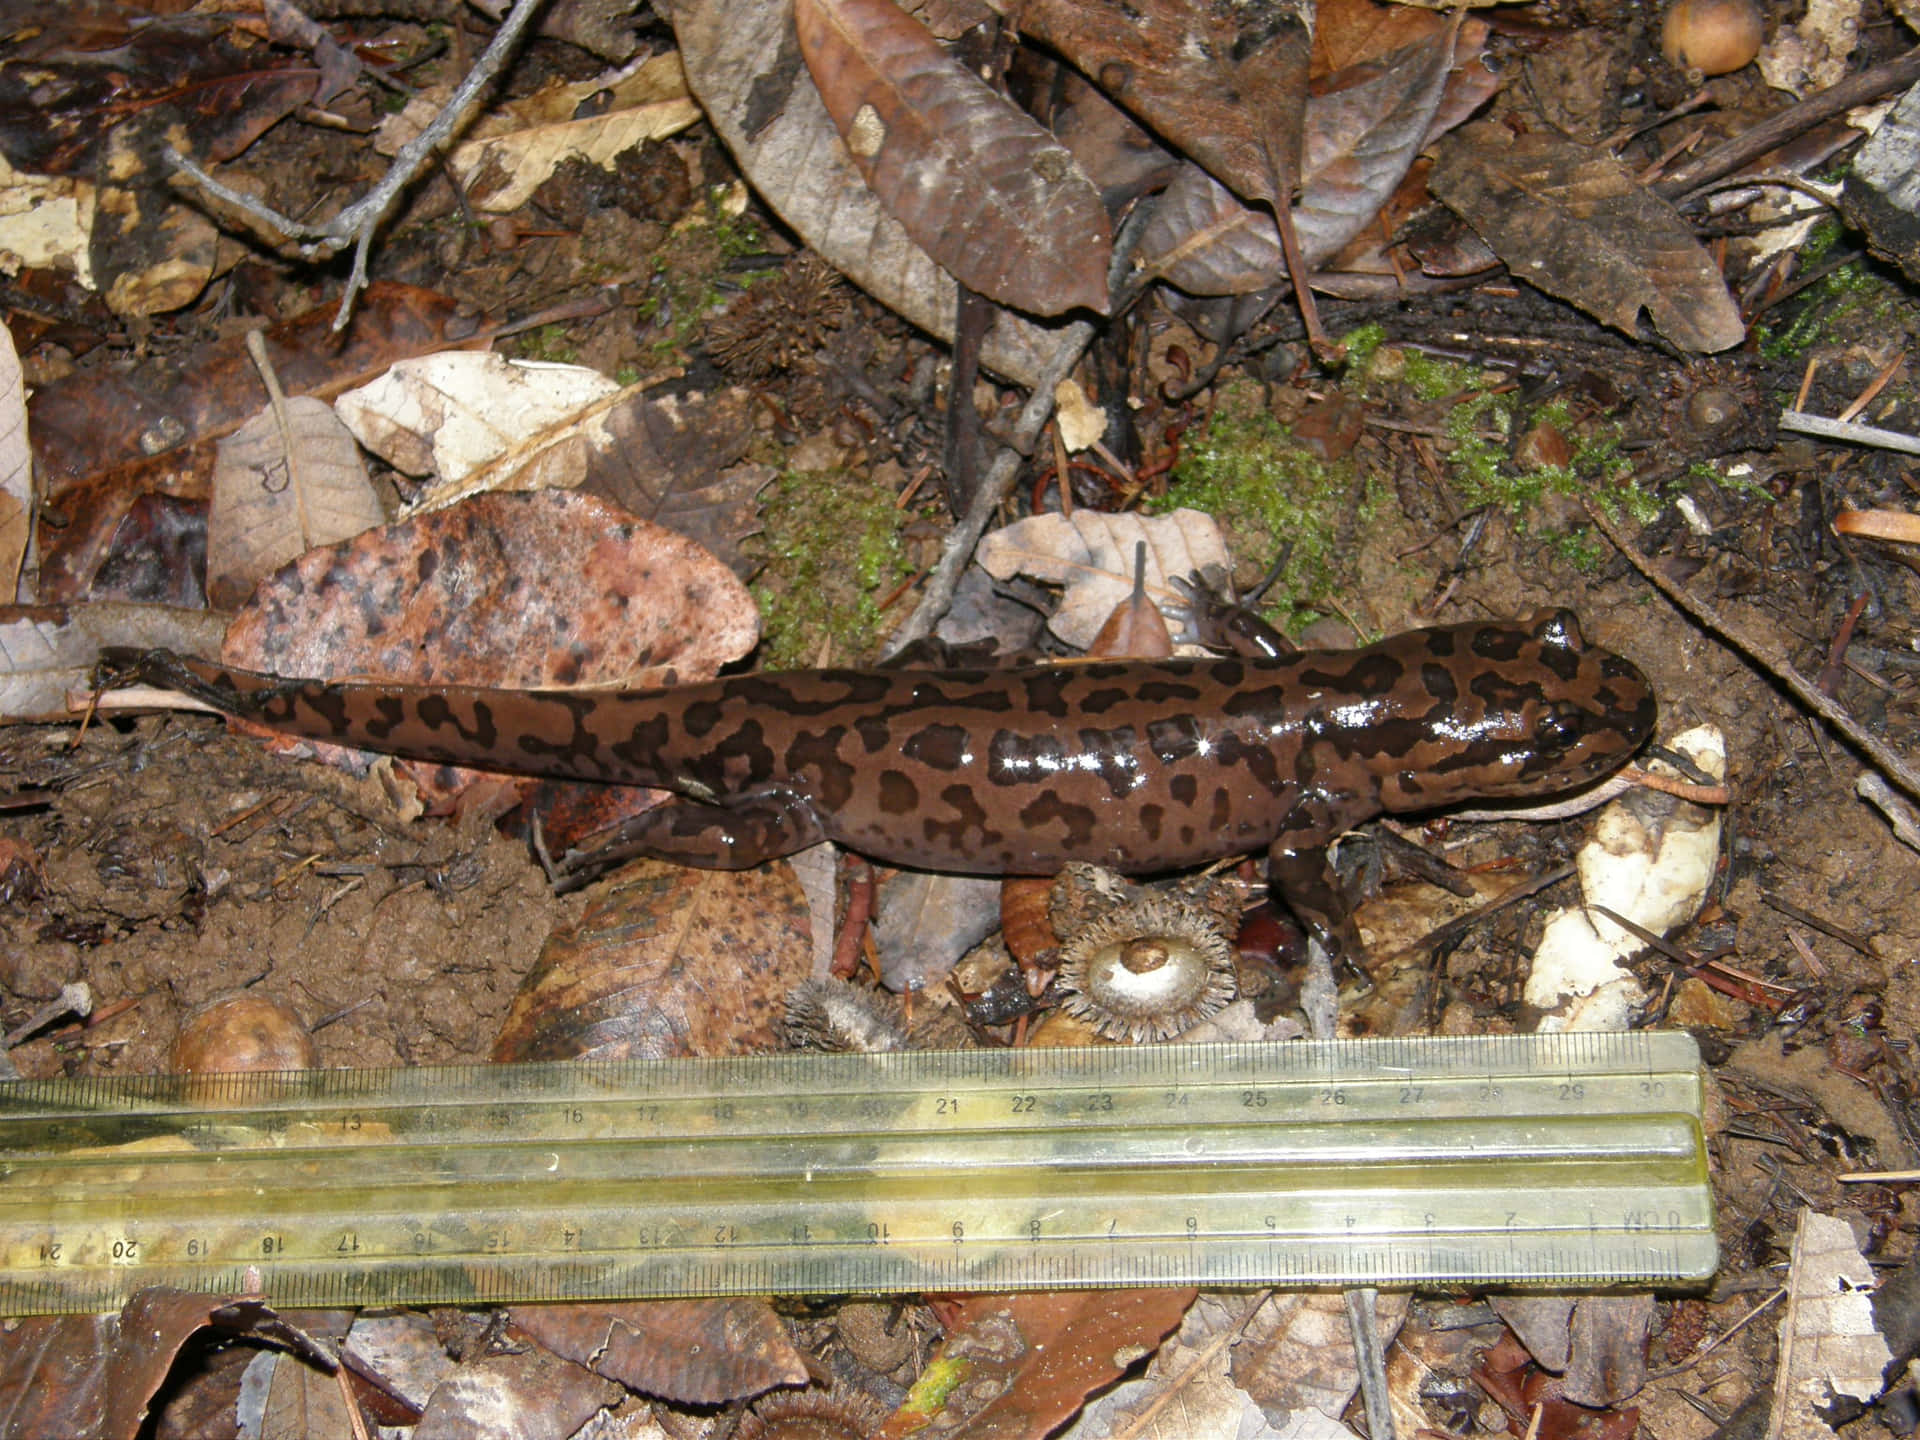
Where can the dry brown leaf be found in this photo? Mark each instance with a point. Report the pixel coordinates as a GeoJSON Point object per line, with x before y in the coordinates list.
{"type": "Point", "coordinates": [532, 1395]}
{"type": "Point", "coordinates": [975, 182]}
{"type": "Point", "coordinates": [1361, 137]}
{"type": "Point", "coordinates": [289, 479]}
{"type": "Point", "coordinates": [1297, 1352]}
{"type": "Point", "coordinates": [1024, 1363]}
{"type": "Point", "coordinates": [1575, 223]}
{"type": "Point", "coordinates": [694, 1352]}
{"type": "Point", "coordinates": [1091, 554]}
{"type": "Point", "coordinates": [1225, 83]}
{"type": "Point", "coordinates": [666, 961]}
{"type": "Point", "coordinates": [744, 64]}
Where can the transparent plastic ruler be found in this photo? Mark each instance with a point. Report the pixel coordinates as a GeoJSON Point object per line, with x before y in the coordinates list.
{"type": "Point", "coordinates": [1514, 1160]}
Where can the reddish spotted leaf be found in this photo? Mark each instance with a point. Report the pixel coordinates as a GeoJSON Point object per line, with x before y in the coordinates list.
{"type": "Point", "coordinates": [977, 185]}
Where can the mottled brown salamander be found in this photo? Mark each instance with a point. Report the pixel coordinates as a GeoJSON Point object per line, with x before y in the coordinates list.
{"type": "Point", "coordinates": [1142, 765]}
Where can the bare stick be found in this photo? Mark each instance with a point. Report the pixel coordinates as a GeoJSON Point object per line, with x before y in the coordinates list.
{"type": "Point", "coordinates": [356, 224]}
{"type": "Point", "coordinates": [997, 485]}
{"type": "Point", "coordinates": [1750, 145]}
{"type": "Point", "coordinates": [1765, 658]}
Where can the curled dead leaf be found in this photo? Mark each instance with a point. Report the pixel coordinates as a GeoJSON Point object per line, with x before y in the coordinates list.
{"type": "Point", "coordinates": [976, 183]}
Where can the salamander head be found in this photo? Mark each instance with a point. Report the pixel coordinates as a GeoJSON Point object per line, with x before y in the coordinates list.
{"type": "Point", "coordinates": [1518, 709]}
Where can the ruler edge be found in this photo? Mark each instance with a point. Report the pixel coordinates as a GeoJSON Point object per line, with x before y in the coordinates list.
{"type": "Point", "coordinates": [561, 1081]}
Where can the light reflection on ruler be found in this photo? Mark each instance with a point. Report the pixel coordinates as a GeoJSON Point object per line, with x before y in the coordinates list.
{"type": "Point", "coordinates": [1516, 1159]}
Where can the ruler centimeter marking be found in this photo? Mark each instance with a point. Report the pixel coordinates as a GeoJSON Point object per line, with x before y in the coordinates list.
{"type": "Point", "coordinates": [1516, 1159]}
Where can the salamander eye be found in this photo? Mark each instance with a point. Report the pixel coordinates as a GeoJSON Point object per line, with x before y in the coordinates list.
{"type": "Point", "coordinates": [1559, 728]}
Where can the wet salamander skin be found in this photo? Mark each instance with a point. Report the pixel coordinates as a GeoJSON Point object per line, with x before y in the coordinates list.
{"type": "Point", "coordinates": [1142, 765]}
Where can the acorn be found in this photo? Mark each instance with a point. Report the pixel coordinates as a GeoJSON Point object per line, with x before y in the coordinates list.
{"type": "Point", "coordinates": [1148, 970]}
{"type": "Point", "coordinates": [240, 1032]}
{"type": "Point", "coordinates": [1713, 37]}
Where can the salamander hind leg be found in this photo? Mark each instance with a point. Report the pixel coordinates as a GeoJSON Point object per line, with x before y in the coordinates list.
{"type": "Point", "coordinates": [737, 835]}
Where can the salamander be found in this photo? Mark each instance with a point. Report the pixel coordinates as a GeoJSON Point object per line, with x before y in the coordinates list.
{"type": "Point", "coordinates": [1140, 765]}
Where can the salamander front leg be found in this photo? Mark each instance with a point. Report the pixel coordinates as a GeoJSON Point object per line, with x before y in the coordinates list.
{"type": "Point", "coordinates": [734, 836]}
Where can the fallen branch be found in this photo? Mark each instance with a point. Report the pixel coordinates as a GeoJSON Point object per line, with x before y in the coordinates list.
{"type": "Point", "coordinates": [357, 223]}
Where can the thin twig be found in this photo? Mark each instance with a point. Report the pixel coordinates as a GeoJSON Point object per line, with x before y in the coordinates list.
{"type": "Point", "coordinates": [1724, 159]}
{"type": "Point", "coordinates": [994, 488]}
{"type": "Point", "coordinates": [1850, 430]}
{"type": "Point", "coordinates": [1764, 658]}
{"type": "Point", "coordinates": [357, 223]}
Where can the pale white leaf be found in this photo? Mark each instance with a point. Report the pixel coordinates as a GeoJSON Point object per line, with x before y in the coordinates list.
{"type": "Point", "coordinates": [16, 468]}
{"type": "Point", "coordinates": [46, 223]}
{"type": "Point", "coordinates": [446, 415]}
{"type": "Point", "coordinates": [1829, 1345]}
{"type": "Point", "coordinates": [1091, 554]}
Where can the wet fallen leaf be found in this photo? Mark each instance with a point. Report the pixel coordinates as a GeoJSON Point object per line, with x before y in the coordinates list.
{"type": "Point", "coordinates": [976, 183]}
{"type": "Point", "coordinates": [663, 452]}
{"type": "Point", "coordinates": [1017, 1366]}
{"type": "Point", "coordinates": [1118, 154]}
{"type": "Point", "coordinates": [666, 961]}
{"type": "Point", "coordinates": [95, 1375]}
{"type": "Point", "coordinates": [694, 1352]}
{"type": "Point", "coordinates": [744, 64]}
{"type": "Point", "coordinates": [1225, 83]}
{"type": "Point", "coordinates": [1361, 137]}
{"type": "Point", "coordinates": [1092, 555]}
{"type": "Point", "coordinates": [514, 590]}
{"type": "Point", "coordinates": [289, 479]}
{"type": "Point", "coordinates": [47, 652]}
{"type": "Point", "coordinates": [1574, 222]}
{"type": "Point", "coordinates": [301, 1402]}
{"type": "Point", "coordinates": [446, 415]}
{"type": "Point", "coordinates": [78, 75]}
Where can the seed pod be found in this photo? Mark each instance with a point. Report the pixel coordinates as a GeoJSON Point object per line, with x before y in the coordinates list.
{"type": "Point", "coordinates": [1148, 970]}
